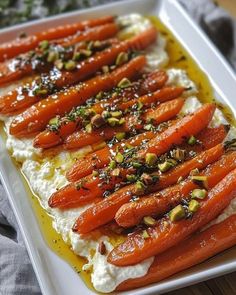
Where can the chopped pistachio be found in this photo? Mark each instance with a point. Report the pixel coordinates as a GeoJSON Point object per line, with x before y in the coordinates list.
{"type": "Point", "coordinates": [121, 58]}
{"type": "Point", "coordinates": [90, 45]}
{"type": "Point", "coordinates": [140, 187]}
{"type": "Point", "coordinates": [148, 127]}
{"type": "Point", "coordinates": [116, 114]}
{"type": "Point", "coordinates": [145, 234]}
{"type": "Point", "coordinates": [40, 91]}
{"type": "Point", "coordinates": [106, 114]}
{"type": "Point", "coordinates": [121, 121]}
{"type": "Point", "coordinates": [86, 52]}
{"type": "Point", "coordinates": [194, 171]}
{"type": "Point", "coordinates": [193, 206]}
{"type": "Point", "coordinates": [119, 158]}
{"type": "Point", "coordinates": [148, 220]}
{"type": "Point", "coordinates": [139, 105]}
{"type": "Point", "coordinates": [200, 180]}
{"type": "Point", "coordinates": [165, 166]}
{"type": "Point", "coordinates": [177, 213]}
{"type": "Point", "coordinates": [52, 56]}
{"type": "Point", "coordinates": [116, 172]}
{"type": "Point", "coordinates": [77, 56]}
{"type": "Point", "coordinates": [150, 159]}
{"type": "Point", "coordinates": [124, 83]}
{"type": "Point", "coordinates": [97, 44]}
{"type": "Point", "coordinates": [89, 128]}
{"type": "Point", "coordinates": [105, 69]}
{"type": "Point", "coordinates": [192, 140]}
{"type": "Point", "coordinates": [198, 193]}
{"type": "Point", "coordinates": [54, 121]}
{"type": "Point", "coordinates": [95, 173]}
{"type": "Point", "coordinates": [113, 121]}
{"type": "Point", "coordinates": [120, 135]}
{"type": "Point", "coordinates": [131, 178]}
{"type": "Point", "coordinates": [97, 121]}
{"type": "Point", "coordinates": [59, 64]}
{"type": "Point", "coordinates": [112, 164]}
{"type": "Point", "coordinates": [136, 164]}
{"type": "Point", "coordinates": [44, 44]}
{"type": "Point", "coordinates": [70, 65]}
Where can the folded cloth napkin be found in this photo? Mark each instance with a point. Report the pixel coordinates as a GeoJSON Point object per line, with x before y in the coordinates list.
{"type": "Point", "coordinates": [16, 272]}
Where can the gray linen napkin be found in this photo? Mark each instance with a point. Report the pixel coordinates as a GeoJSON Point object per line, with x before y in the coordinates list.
{"type": "Point", "coordinates": [16, 272]}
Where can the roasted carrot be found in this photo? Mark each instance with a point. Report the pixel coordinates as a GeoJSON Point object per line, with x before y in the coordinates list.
{"type": "Point", "coordinates": [166, 234]}
{"type": "Point", "coordinates": [164, 112]}
{"type": "Point", "coordinates": [21, 45]}
{"type": "Point", "coordinates": [108, 207]}
{"type": "Point", "coordinates": [49, 138]}
{"type": "Point", "coordinates": [25, 64]}
{"type": "Point", "coordinates": [187, 253]}
{"type": "Point", "coordinates": [184, 128]}
{"type": "Point", "coordinates": [158, 203]}
{"type": "Point", "coordinates": [35, 118]}
{"type": "Point", "coordinates": [208, 138]}
{"type": "Point", "coordinates": [95, 186]}
{"type": "Point", "coordinates": [99, 159]}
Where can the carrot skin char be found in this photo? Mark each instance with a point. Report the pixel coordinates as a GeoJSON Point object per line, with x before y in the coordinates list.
{"type": "Point", "coordinates": [35, 118]}
{"type": "Point", "coordinates": [216, 239]}
{"type": "Point", "coordinates": [159, 203]}
{"type": "Point", "coordinates": [161, 238]}
{"type": "Point", "coordinates": [18, 46]}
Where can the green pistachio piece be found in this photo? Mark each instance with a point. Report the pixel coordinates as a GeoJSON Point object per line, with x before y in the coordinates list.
{"type": "Point", "coordinates": [89, 128]}
{"type": "Point", "coordinates": [120, 135]}
{"type": "Point", "coordinates": [54, 121]}
{"type": "Point", "coordinates": [52, 56]}
{"type": "Point", "coordinates": [199, 194]}
{"type": "Point", "coordinates": [59, 64]}
{"type": "Point", "coordinates": [165, 166]}
{"type": "Point", "coordinates": [193, 206]}
{"type": "Point", "coordinates": [44, 44]}
{"type": "Point", "coordinates": [200, 180]}
{"type": "Point", "coordinates": [119, 158]}
{"type": "Point", "coordinates": [192, 140]}
{"type": "Point", "coordinates": [148, 220]}
{"type": "Point", "coordinates": [116, 172]}
{"type": "Point", "coordinates": [140, 187]}
{"type": "Point", "coordinates": [113, 121]}
{"type": "Point", "coordinates": [150, 159]}
{"type": "Point", "coordinates": [112, 164]}
{"type": "Point", "coordinates": [70, 65]}
{"type": "Point", "coordinates": [124, 83]}
{"type": "Point", "coordinates": [95, 173]}
{"type": "Point", "coordinates": [131, 178]}
{"type": "Point", "coordinates": [177, 213]}
{"type": "Point", "coordinates": [145, 234]}
{"type": "Point", "coordinates": [116, 114]}
{"type": "Point", "coordinates": [121, 58]}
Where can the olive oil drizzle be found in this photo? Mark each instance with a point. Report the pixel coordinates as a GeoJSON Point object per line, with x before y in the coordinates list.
{"type": "Point", "coordinates": [178, 58]}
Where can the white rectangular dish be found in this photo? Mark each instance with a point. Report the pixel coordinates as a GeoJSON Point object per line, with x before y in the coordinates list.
{"type": "Point", "coordinates": [49, 268]}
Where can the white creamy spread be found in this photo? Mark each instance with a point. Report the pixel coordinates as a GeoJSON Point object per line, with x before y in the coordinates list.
{"type": "Point", "coordinates": [46, 175]}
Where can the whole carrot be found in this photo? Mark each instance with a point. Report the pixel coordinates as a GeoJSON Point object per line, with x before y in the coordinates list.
{"type": "Point", "coordinates": [207, 139]}
{"type": "Point", "coordinates": [95, 186]}
{"type": "Point", "coordinates": [187, 253]}
{"type": "Point", "coordinates": [21, 45]}
{"type": "Point", "coordinates": [184, 128]}
{"type": "Point", "coordinates": [35, 118]}
{"type": "Point", "coordinates": [108, 207]}
{"type": "Point", "coordinates": [49, 138]}
{"type": "Point", "coordinates": [164, 112]}
{"type": "Point", "coordinates": [26, 64]}
{"type": "Point", "coordinates": [159, 203]}
{"type": "Point", "coordinates": [166, 233]}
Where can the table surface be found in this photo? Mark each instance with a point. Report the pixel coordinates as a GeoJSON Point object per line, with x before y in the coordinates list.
{"type": "Point", "coordinates": [225, 285]}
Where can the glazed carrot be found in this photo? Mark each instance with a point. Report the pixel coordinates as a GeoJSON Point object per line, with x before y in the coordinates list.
{"type": "Point", "coordinates": [36, 117]}
{"type": "Point", "coordinates": [108, 207]}
{"type": "Point", "coordinates": [164, 112]}
{"type": "Point", "coordinates": [166, 234]}
{"type": "Point", "coordinates": [208, 138]}
{"type": "Point", "coordinates": [21, 45]}
{"type": "Point", "coordinates": [189, 252]}
{"type": "Point", "coordinates": [25, 64]}
{"type": "Point", "coordinates": [49, 138]}
{"type": "Point", "coordinates": [99, 159]}
{"type": "Point", "coordinates": [184, 128]}
{"type": "Point", "coordinates": [158, 203]}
